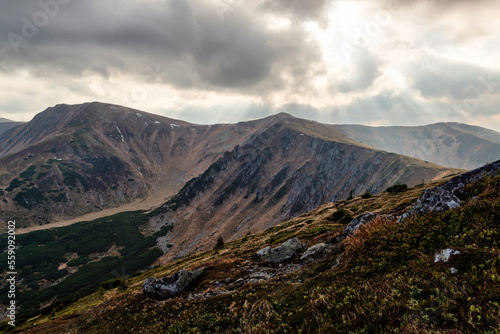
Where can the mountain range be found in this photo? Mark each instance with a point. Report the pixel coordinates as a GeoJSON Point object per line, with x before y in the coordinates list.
{"type": "Point", "coordinates": [448, 144]}
{"type": "Point", "coordinates": [6, 124]}
{"type": "Point", "coordinates": [225, 179]}
{"type": "Point", "coordinates": [131, 191]}
{"type": "Point", "coordinates": [81, 162]}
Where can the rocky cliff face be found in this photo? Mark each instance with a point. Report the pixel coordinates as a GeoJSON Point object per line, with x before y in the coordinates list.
{"type": "Point", "coordinates": [280, 173]}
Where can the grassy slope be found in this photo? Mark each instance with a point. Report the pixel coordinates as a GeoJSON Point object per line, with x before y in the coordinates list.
{"type": "Point", "coordinates": [387, 280]}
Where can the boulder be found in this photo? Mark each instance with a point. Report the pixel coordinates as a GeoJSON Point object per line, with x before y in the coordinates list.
{"type": "Point", "coordinates": [281, 253]}
{"type": "Point", "coordinates": [337, 262]}
{"type": "Point", "coordinates": [264, 252]}
{"type": "Point", "coordinates": [261, 275]}
{"type": "Point", "coordinates": [445, 254]}
{"type": "Point", "coordinates": [169, 287]}
{"type": "Point", "coordinates": [314, 252]}
{"type": "Point", "coordinates": [436, 199]}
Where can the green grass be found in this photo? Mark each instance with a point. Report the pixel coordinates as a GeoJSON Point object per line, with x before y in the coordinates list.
{"type": "Point", "coordinates": [388, 283]}
{"type": "Point", "coordinates": [387, 280]}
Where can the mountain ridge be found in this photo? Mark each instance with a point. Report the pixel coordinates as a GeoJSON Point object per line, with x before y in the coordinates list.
{"type": "Point", "coordinates": [7, 124]}
{"type": "Point", "coordinates": [447, 144]}
{"type": "Point", "coordinates": [97, 156]}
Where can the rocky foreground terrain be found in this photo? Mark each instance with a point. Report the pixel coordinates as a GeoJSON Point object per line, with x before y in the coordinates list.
{"type": "Point", "coordinates": [347, 266]}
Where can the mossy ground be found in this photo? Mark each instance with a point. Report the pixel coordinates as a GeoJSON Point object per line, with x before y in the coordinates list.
{"type": "Point", "coordinates": [387, 280]}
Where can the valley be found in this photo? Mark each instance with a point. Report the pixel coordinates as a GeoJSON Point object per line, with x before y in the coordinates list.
{"type": "Point", "coordinates": [104, 193]}
{"type": "Point", "coordinates": [395, 271]}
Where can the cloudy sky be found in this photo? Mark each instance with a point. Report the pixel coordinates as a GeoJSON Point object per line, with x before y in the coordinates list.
{"type": "Point", "coordinates": [375, 62]}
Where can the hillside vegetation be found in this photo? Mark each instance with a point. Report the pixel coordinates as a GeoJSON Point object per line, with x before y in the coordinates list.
{"type": "Point", "coordinates": [382, 279]}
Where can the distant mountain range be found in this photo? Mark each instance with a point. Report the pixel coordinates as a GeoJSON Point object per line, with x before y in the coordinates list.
{"type": "Point", "coordinates": [225, 179]}
{"type": "Point", "coordinates": [448, 144]}
{"type": "Point", "coordinates": [6, 124]}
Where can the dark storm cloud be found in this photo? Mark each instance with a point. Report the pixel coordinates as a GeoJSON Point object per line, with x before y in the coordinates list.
{"type": "Point", "coordinates": [442, 78]}
{"type": "Point", "coordinates": [186, 43]}
{"type": "Point", "coordinates": [298, 9]}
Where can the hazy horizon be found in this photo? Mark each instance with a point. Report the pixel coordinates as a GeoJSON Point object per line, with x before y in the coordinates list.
{"type": "Point", "coordinates": [275, 113]}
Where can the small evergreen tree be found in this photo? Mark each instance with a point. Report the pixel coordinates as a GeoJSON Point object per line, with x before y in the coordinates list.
{"type": "Point", "coordinates": [220, 243]}
{"type": "Point", "coordinates": [366, 195]}
{"type": "Point", "coordinates": [350, 196]}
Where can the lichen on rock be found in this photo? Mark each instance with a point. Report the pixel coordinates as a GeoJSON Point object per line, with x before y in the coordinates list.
{"type": "Point", "coordinates": [314, 252]}
{"type": "Point", "coordinates": [281, 253]}
{"type": "Point", "coordinates": [169, 287]}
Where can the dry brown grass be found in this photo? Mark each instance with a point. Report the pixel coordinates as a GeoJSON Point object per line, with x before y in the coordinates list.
{"type": "Point", "coordinates": [356, 240]}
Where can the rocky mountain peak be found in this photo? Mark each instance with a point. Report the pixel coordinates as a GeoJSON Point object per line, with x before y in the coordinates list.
{"type": "Point", "coordinates": [283, 116]}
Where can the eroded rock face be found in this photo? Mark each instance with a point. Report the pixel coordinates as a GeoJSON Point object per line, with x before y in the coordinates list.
{"type": "Point", "coordinates": [281, 253]}
{"type": "Point", "coordinates": [168, 287]}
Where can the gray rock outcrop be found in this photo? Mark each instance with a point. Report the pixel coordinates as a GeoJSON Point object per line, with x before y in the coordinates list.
{"type": "Point", "coordinates": [445, 254]}
{"type": "Point", "coordinates": [314, 252]}
{"type": "Point", "coordinates": [359, 221]}
{"type": "Point", "coordinates": [450, 194]}
{"type": "Point", "coordinates": [168, 287]}
{"type": "Point", "coordinates": [435, 199]}
{"type": "Point", "coordinates": [281, 253]}
{"type": "Point", "coordinates": [457, 184]}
